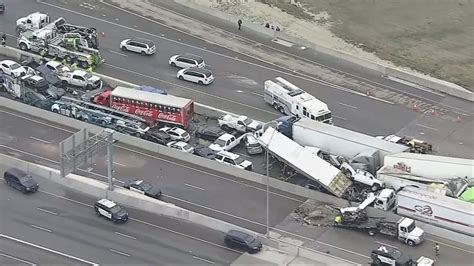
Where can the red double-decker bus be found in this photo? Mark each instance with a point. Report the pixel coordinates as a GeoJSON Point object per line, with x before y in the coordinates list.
{"type": "Point", "coordinates": [152, 106]}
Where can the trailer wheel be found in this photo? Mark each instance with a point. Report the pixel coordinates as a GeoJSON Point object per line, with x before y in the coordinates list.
{"type": "Point", "coordinates": [281, 110]}
{"type": "Point", "coordinates": [371, 232]}
{"type": "Point", "coordinates": [275, 106]}
{"type": "Point", "coordinates": [410, 243]}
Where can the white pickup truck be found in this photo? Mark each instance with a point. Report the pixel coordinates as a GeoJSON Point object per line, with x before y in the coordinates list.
{"type": "Point", "coordinates": [226, 142]}
{"type": "Point", "coordinates": [240, 123]}
{"type": "Point", "coordinates": [362, 176]}
{"type": "Point", "coordinates": [82, 79]}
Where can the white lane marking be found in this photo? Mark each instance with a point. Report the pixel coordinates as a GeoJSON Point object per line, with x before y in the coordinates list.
{"type": "Point", "coordinates": [283, 42]}
{"type": "Point", "coordinates": [46, 211]}
{"type": "Point", "coordinates": [338, 117]}
{"type": "Point", "coordinates": [124, 235]}
{"type": "Point", "coordinates": [414, 85]}
{"type": "Point", "coordinates": [120, 164]}
{"type": "Point", "coordinates": [254, 93]}
{"type": "Point", "coordinates": [190, 89]}
{"type": "Point", "coordinates": [189, 185]}
{"type": "Point", "coordinates": [120, 252]}
{"type": "Point", "coordinates": [381, 100]}
{"type": "Point", "coordinates": [385, 244]}
{"type": "Point", "coordinates": [40, 140]}
{"type": "Point", "coordinates": [201, 259]}
{"type": "Point", "coordinates": [288, 71]}
{"type": "Point", "coordinates": [48, 249]}
{"type": "Point", "coordinates": [423, 126]}
{"type": "Point", "coordinates": [41, 228]}
{"type": "Point", "coordinates": [17, 259]}
{"type": "Point", "coordinates": [451, 246]}
{"type": "Point", "coordinates": [347, 105]}
{"type": "Point", "coordinates": [114, 52]}
{"type": "Point", "coordinates": [38, 122]}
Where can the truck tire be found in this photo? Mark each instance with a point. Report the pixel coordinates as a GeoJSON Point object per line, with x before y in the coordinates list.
{"type": "Point", "coordinates": [281, 110]}
{"type": "Point", "coordinates": [275, 106]}
{"type": "Point", "coordinates": [83, 64]}
{"type": "Point", "coordinates": [88, 87]}
{"type": "Point", "coordinates": [410, 243]}
{"type": "Point", "coordinates": [23, 46]}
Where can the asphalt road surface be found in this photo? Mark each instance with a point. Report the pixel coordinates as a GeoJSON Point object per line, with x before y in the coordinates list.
{"type": "Point", "coordinates": [239, 78]}
{"type": "Point", "coordinates": [58, 226]}
{"type": "Point", "coordinates": [190, 186]}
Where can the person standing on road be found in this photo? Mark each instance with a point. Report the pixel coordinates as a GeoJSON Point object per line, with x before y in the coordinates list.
{"type": "Point", "coordinates": [239, 22]}
{"type": "Point", "coordinates": [4, 39]}
{"type": "Point", "coordinates": [436, 248]}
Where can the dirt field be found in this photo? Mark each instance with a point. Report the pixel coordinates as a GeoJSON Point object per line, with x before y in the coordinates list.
{"type": "Point", "coordinates": [432, 36]}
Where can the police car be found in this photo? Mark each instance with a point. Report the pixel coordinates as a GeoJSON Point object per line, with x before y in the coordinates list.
{"type": "Point", "coordinates": [390, 256]}
{"type": "Point", "coordinates": [143, 187]}
{"type": "Point", "coordinates": [111, 211]}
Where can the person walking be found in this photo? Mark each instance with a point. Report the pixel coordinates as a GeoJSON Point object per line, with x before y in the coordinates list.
{"type": "Point", "coordinates": [4, 39]}
{"type": "Point", "coordinates": [239, 22]}
{"type": "Point", "coordinates": [436, 248]}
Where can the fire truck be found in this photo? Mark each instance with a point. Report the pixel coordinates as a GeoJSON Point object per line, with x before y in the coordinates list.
{"type": "Point", "coordinates": [154, 107]}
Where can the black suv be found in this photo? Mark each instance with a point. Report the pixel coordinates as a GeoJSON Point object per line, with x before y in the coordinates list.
{"type": "Point", "coordinates": [111, 211]}
{"type": "Point", "coordinates": [243, 241]}
{"type": "Point", "coordinates": [157, 136]}
{"type": "Point", "coordinates": [20, 180]}
{"type": "Point", "coordinates": [143, 187]}
{"type": "Point", "coordinates": [209, 133]}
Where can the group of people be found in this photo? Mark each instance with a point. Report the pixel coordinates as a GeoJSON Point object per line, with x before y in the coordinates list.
{"type": "Point", "coordinates": [4, 39]}
{"type": "Point", "coordinates": [267, 25]}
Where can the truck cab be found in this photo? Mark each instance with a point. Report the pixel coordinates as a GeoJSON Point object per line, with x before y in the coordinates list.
{"type": "Point", "coordinates": [408, 232]}
{"type": "Point", "coordinates": [240, 123]}
{"type": "Point", "coordinates": [386, 200]}
{"type": "Point", "coordinates": [102, 98]}
{"type": "Point", "coordinates": [33, 21]}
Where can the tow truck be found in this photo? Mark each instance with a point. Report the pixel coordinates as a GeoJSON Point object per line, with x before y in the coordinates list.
{"type": "Point", "coordinates": [415, 145]}
{"type": "Point", "coordinates": [404, 229]}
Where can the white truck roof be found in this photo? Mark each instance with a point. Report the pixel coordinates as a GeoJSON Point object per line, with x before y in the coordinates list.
{"type": "Point", "coordinates": [283, 87]}
{"type": "Point", "coordinates": [302, 159]}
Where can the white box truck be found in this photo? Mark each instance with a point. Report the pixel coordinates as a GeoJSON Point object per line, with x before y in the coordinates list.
{"type": "Point", "coordinates": [431, 166]}
{"type": "Point", "coordinates": [430, 207]}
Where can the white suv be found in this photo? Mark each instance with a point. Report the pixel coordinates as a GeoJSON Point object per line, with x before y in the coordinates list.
{"type": "Point", "coordinates": [144, 47]}
{"type": "Point", "coordinates": [234, 160]}
{"type": "Point", "coordinates": [197, 75]}
{"type": "Point", "coordinates": [177, 133]}
{"type": "Point", "coordinates": [187, 61]}
{"type": "Point", "coordinates": [12, 68]}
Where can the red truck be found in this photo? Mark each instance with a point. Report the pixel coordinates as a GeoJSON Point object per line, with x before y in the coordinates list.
{"type": "Point", "coordinates": [154, 107]}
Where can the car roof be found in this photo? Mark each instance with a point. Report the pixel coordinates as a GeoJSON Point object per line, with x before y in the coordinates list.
{"type": "Point", "coordinates": [54, 63]}
{"type": "Point", "coordinates": [138, 182]}
{"type": "Point", "coordinates": [200, 70]}
{"type": "Point", "coordinates": [79, 72]}
{"type": "Point", "coordinates": [178, 130]}
{"type": "Point", "coordinates": [239, 234]}
{"type": "Point", "coordinates": [8, 62]}
{"type": "Point", "coordinates": [192, 56]}
{"type": "Point", "coordinates": [231, 155]}
{"type": "Point", "coordinates": [226, 136]}
{"type": "Point", "coordinates": [17, 172]}
{"type": "Point", "coordinates": [180, 143]}
{"type": "Point", "coordinates": [145, 41]}
{"type": "Point", "coordinates": [107, 203]}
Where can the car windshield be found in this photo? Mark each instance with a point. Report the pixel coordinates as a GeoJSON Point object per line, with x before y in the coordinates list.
{"type": "Point", "coordinates": [248, 121]}
{"type": "Point", "coordinates": [396, 254]}
{"type": "Point", "coordinates": [143, 126]}
{"type": "Point", "coordinates": [187, 147]}
{"type": "Point", "coordinates": [239, 160]}
{"type": "Point", "coordinates": [146, 186]}
{"type": "Point", "coordinates": [411, 227]}
{"type": "Point", "coordinates": [220, 142]}
{"type": "Point", "coordinates": [115, 209]}
{"type": "Point", "coordinates": [14, 66]}
{"type": "Point", "coordinates": [249, 239]}
{"type": "Point", "coordinates": [88, 76]}
{"type": "Point", "coordinates": [207, 74]}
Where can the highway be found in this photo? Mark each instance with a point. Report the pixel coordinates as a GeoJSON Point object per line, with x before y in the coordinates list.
{"type": "Point", "coordinates": [240, 202]}
{"type": "Point", "coordinates": [240, 76]}
{"type": "Point", "coordinates": [58, 226]}
{"type": "Point", "coordinates": [189, 186]}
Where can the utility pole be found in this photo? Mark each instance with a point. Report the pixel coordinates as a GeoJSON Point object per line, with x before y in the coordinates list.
{"type": "Point", "coordinates": [268, 193]}
{"type": "Point", "coordinates": [110, 162]}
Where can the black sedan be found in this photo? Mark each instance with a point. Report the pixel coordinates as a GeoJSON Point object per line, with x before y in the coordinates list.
{"type": "Point", "coordinates": [209, 133]}
{"type": "Point", "coordinates": [157, 136]}
{"type": "Point", "coordinates": [204, 152]}
{"type": "Point", "coordinates": [143, 187]}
